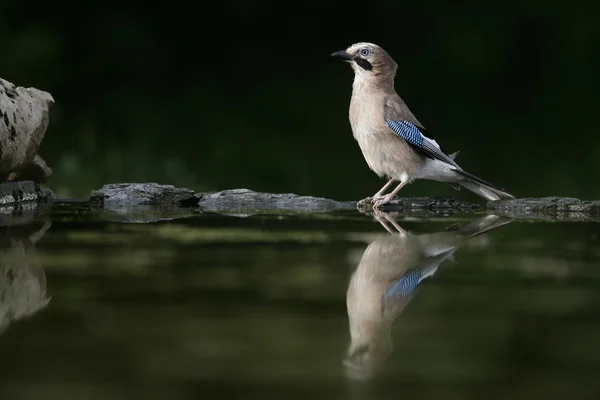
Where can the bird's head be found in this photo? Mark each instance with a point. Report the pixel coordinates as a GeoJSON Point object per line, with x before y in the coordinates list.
{"type": "Point", "coordinates": [369, 61]}
{"type": "Point", "coordinates": [364, 360]}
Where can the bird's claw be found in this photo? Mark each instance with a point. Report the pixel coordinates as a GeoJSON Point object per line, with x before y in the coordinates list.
{"type": "Point", "coordinates": [364, 202]}
{"type": "Point", "coordinates": [375, 202]}
{"type": "Point", "coordinates": [368, 201]}
{"type": "Point", "coordinates": [380, 202]}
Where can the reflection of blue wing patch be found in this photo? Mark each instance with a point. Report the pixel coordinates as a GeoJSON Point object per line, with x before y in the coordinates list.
{"type": "Point", "coordinates": [404, 286]}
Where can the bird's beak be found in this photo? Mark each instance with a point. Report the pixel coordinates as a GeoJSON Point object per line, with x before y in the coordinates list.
{"type": "Point", "coordinates": [342, 54]}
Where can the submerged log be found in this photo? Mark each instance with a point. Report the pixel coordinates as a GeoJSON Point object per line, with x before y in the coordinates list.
{"type": "Point", "coordinates": [246, 202]}
{"type": "Point", "coordinates": [547, 207]}
{"type": "Point", "coordinates": [23, 202]}
{"type": "Point", "coordinates": [436, 205]}
{"type": "Point", "coordinates": [123, 195]}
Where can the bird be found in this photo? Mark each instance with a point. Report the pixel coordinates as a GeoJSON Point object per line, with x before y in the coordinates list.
{"type": "Point", "coordinates": [392, 140]}
{"type": "Point", "coordinates": [390, 272]}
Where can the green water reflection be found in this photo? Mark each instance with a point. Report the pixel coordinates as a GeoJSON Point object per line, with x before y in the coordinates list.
{"type": "Point", "coordinates": [211, 306]}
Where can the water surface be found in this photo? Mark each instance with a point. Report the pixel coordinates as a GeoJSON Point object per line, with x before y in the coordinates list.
{"type": "Point", "coordinates": [301, 306]}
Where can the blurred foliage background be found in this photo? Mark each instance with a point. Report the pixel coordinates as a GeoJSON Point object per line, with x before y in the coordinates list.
{"type": "Point", "coordinates": [244, 94]}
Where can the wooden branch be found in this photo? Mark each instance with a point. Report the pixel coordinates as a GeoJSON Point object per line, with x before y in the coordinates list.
{"type": "Point", "coordinates": [126, 196]}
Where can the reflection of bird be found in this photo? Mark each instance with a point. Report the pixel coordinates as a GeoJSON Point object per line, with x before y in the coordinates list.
{"type": "Point", "coordinates": [392, 140]}
{"type": "Point", "coordinates": [387, 277]}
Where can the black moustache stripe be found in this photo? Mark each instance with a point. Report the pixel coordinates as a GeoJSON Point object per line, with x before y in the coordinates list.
{"type": "Point", "coordinates": [364, 64]}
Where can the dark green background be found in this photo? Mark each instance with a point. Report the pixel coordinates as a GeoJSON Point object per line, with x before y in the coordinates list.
{"type": "Point", "coordinates": [244, 94]}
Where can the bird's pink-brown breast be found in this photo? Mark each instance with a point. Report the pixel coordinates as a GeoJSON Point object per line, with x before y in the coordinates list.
{"type": "Point", "coordinates": [385, 153]}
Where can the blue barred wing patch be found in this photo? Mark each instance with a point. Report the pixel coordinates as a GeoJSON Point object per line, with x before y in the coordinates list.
{"type": "Point", "coordinates": [413, 136]}
{"type": "Point", "coordinates": [407, 131]}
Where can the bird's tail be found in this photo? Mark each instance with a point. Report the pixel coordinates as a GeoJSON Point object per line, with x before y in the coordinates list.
{"type": "Point", "coordinates": [482, 225]}
{"type": "Point", "coordinates": [481, 187]}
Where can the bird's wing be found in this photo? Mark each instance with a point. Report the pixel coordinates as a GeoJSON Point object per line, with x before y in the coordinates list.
{"type": "Point", "coordinates": [404, 124]}
{"type": "Point", "coordinates": [413, 136]}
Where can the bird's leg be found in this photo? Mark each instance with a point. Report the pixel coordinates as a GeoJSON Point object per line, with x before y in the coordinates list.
{"type": "Point", "coordinates": [377, 195]}
{"type": "Point", "coordinates": [386, 199]}
{"type": "Point", "coordinates": [383, 189]}
{"type": "Point", "coordinates": [381, 217]}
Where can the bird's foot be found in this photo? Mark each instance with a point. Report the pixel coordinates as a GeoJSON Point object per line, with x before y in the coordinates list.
{"type": "Point", "coordinates": [381, 201]}
{"type": "Point", "coordinates": [368, 201]}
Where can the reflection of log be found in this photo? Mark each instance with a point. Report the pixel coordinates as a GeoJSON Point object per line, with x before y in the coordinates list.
{"type": "Point", "coordinates": [24, 117]}
{"type": "Point", "coordinates": [22, 278]}
{"type": "Point", "coordinates": [124, 196]}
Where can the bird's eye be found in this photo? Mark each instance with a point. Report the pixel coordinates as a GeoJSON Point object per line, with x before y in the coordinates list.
{"type": "Point", "coordinates": [364, 52]}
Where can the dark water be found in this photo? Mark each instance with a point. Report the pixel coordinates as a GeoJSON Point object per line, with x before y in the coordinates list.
{"type": "Point", "coordinates": [213, 306]}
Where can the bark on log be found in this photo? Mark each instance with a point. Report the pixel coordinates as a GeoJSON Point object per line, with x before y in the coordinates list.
{"type": "Point", "coordinates": [249, 201]}
{"type": "Point", "coordinates": [169, 201]}
{"type": "Point", "coordinates": [548, 208]}
{"type": "Point", "coordinates": [123, 195]}
{"type": "Point", "coordinates": [24, 117]}
{"type": "Point", "coordinates": [21, 192]}
{"type": "Point", "coordinates": [23, 202]}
